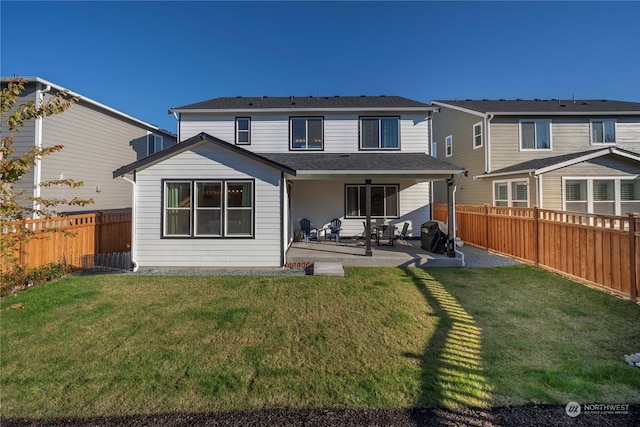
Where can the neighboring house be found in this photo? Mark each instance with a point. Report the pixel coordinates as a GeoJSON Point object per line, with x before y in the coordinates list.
{"type": "Point", "coordinates": [97, 139]}
{"type": "Point", "coordinates": [247, 170]}
{"type": "Point", "coordinates": [581, 156]}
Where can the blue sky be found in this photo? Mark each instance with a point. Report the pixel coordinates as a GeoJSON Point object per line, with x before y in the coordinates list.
{"type": "Point", "coordinates": [144, 57]}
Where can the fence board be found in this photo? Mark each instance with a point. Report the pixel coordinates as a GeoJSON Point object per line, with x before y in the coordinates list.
{"type": "Point", "coordinates": [602, 250]}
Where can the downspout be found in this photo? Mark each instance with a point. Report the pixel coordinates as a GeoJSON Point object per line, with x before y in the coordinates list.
{"type": "Point", "coordinates": [429, 148]}
{"type": "Point", "coordinates": [455, 227]}
{"type": "Point", "coordinates": [37, 167]}
{"type": "Point", "coordinates": [177, 117]}
{"type": "Point", "coordinates": [539, 191]}
{"type": "Point", "coordinates": [487, 148]}
{"type": "Point", "coordinates": [133, 221]}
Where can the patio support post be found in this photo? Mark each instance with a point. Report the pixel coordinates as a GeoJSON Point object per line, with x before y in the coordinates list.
{"type": "Point", "coordinates": [451, 185]}
{"type": "Point", "coordinates": [368, 222]}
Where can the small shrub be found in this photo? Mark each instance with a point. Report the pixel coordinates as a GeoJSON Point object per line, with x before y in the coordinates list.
{"type": "Point", "coordinates": [23, 277]}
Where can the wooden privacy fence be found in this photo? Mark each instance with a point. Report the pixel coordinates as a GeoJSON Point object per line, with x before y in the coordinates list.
{"type": "Point", "coordinates": [598, 249]}
{"type": "Point", "coordinates": [78, 238]}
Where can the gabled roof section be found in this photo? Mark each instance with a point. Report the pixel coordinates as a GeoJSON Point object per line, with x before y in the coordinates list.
{"type": "Point", "coordinates": [545, 106]}
{"type": "Point", "coordinates": [120, 114]}
{"type": "Point", "coordinates": [185, 145]}
{"type": "Point", "coordinates": [309, 103]}
{"type": "Point", "coordinates": [358, 163]}
{"type": "Point", "coordinates": [548, 164]}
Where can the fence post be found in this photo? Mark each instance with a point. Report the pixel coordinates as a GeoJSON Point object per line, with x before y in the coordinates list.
{"type": "Point", "coordinates": [486, 227]}
{"type": "Point", "coordinates": [22, 256]}
{"type": "Point", "coordinates": [536, 237]}
{"type": "Point", "coordinates": [98, 232]}
{"type": "Point", "coordinates": [633, 278]}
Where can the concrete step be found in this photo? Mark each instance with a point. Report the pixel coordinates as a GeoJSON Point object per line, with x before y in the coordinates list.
{"type": "Point", "coordinates": [328, 269]}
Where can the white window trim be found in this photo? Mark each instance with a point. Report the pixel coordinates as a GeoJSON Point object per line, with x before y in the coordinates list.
{"type": "Point", "coordinates": [434, 149]}
{"type": "Point", "coordinates": [535, 121]}
{"type": "Point", "coordinates": [615, 126]}
{"type": "Point", "coordinates": [247, 131]}
{"type": "Point", "coordinates": [306, 119]}
{"type": "Point", "coordinates": [379, 118]}
{"type": "Point", "coordinates": [448, 144]}
{"type": "Point", "coordinates": [510, 191]}
{"type": "Point", "coordinates": [358, 186]}
{"type": "Point", "coordinates": [616, 188]}
{"type": "Point", "coordinates": [225, 207]}
{"type": "Point", "coordinates": [155, 142]}
{"type": "Point", "coordinates": [196, 208]}
{"type": "Point", "coordinates": [473, 131]}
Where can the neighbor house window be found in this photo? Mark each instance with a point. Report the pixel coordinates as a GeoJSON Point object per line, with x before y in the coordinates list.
{"type": "Point", "coordinates": [384, 201]}
{"type": "Point", "coordinates": [306, 133]}
{"type": "Point", "coordinates": [208, 208]}
{"type": "Point", "coordinates": [243, 131]}
{"type": "Point", "coordinates": [603, 131]}
{"type": "Point", "coordinates": [535, 134]}
{"type": "Point", "coordinates": [477, 135]}
{"type": "Point", "coordinates": [448, 146]}
{"type": "Point", "coordinates": [154, 143]}
{"type": "Point", "coordinates": [379, 133]}
{"type": "Point", "coordinates": [512, 193]}
{"type": "Point", "coordinates": [434, 149]}
{"type": "Point", "coordinates": [604, 196]}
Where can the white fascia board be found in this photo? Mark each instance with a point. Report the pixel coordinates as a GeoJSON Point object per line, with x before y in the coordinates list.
{"type": "Point", "coordinates": [464, 110]}
{"type": "Point", "coordinates": [407, 173]}
{"type": "Point", "coordinates": [92, 102]}
{"type": "Point", "coordinates": [588, 156]}
{"type": "Point", "coordinates": [304, 110]}
{"type": "Point", "coordinates": [566, 113]}
{"type": "Point", "coordinates": [492, 175]}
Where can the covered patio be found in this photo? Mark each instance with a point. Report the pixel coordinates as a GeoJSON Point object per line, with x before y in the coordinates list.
{"type": "Point", "coordinates": [351, 253]}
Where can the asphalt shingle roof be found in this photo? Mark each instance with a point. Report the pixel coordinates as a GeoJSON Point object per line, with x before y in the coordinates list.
{"type": "Point", "coordinates": [295, 102]}
{"type": "Point", "coordinates": [546, 106]}
{"type": "Point", "coordinates": [361, 161]}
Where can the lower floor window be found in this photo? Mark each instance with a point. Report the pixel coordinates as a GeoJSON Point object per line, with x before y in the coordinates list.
{"type": "Point", "coordinates": [384, 201]}
{"type": "Point", "coordinates": [208, 208]}
{"type": "Point", "coordinates": [513, 193]}
{"type": "Point", "coordinates": [604, 196]}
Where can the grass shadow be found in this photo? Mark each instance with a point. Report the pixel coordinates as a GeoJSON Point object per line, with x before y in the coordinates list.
{"type": "Point", "coordinates": [451, 364]}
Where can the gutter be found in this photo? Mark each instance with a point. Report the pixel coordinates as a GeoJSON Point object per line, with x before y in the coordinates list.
{"type": "Point", "coordinates": [302, 109]}
{"type": "Point", "coordinates": [487, 146]}
{"type": "Point", "coordinates": [37, 167]}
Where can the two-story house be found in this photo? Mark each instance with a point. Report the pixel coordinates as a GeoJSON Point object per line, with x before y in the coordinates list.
{"type": "Point", "coordinates": [96, 139]}
{"type": "Point", "coordinates": [247, 170]}
{"type": "Point", "coordinates": [575, 155]}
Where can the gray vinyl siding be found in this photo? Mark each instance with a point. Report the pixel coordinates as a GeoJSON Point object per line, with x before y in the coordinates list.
{"type": "Point", "coordinates": [568, 135]}
{"type": "Point", "coordinates": [459, 125]}
{"type": "Point", "coordinates": [95, 144]}
{"type": "Point", "coordinates": [270, 132]}
{"type": "Point", "coordinates": [606, 166]}
{"type": "Point", "coordinates": [206, 161]}
{"type": "Point", "coordinates": [24, 139]}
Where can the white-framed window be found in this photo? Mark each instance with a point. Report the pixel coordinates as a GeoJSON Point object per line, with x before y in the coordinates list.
{"type": "Point", "coordinates": [379, 133]}
{"type": "Point", "coordinates": [434, 149]}
{"type": "Point", "coordinates": [477, 135]}
{"type": "Point", "coordinates": [306, 133]}
{"type": "Point", "coordinates": [154, 143]}
{"type": "Point", "coordinates": [243, 130]}
{"type": "Point", "coordinates": [511, 193]}
{"type": "Point", "coordinates": [385, 202]}
{"type": "Point", "coordinates": [535, 135]}
{"type": "Point", "coordinates": [601, 195]}
{"type": "Point", "coordinates": [208, 208]}
{"type": "Point", "coordinates": [603, 131]}
{"type": "Point", "coordinates": [448, 146]}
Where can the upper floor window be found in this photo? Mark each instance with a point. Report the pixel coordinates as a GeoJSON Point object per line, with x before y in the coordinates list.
{"type": "Point", "coordinates": [379, 133]}
{"type": "Point", "coordinates": [535, 134]}
{"type": "Point", "coordinates": [477, 135]}
{"type": "Point", "coordinates": [243, 130]}
{"type": "Point", "coordinates": [306, 133]}
{"type": "Point", "coordinates": [154, 143]}
{"type": "Point", "coordinates": [603, 131]}
{"type": "Point", "coordinates": [512, 193]}
{"type": "Point", "coordinates": [448, 146]}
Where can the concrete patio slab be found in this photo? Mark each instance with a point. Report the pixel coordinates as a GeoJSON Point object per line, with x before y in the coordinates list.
{"type": "Point", "coordinates": [322, 268]}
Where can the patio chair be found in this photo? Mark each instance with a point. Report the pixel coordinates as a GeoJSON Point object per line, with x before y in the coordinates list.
{"type": "Point", "coordinates": [333, 231]}
{"type": "Point", "coordinates": [307, 231]}
{"type": "Point", "coordinates": [403, 234]}
{"type": "Point", "coordinates": [389, 234]}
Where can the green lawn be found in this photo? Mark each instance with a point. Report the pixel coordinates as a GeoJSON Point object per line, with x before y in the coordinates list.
{"type": "Point", "coordinates": [384, 337]}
